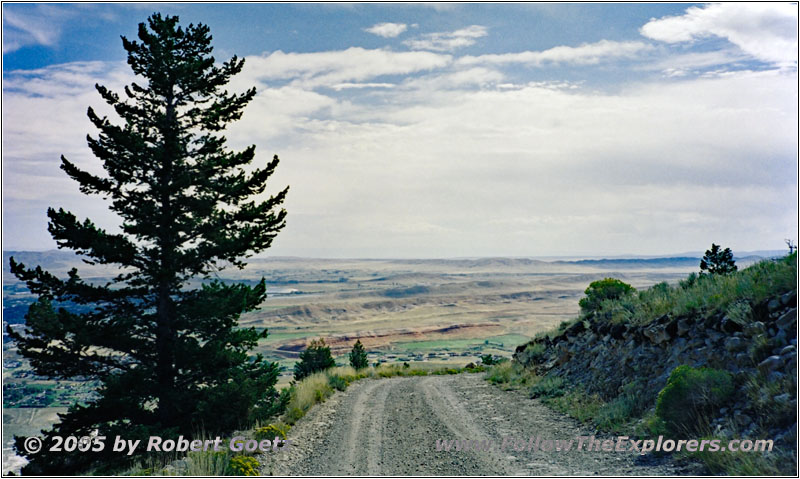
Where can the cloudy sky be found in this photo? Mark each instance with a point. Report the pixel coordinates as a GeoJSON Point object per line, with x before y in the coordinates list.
{"type": "Point", "coordinates": [452, 130]}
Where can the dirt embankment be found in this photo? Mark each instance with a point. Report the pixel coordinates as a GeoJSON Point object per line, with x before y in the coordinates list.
{"type": "Point", "coordinates": [390, 427]}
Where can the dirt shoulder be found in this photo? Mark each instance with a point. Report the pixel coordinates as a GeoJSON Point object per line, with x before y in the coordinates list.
{"type": "Point", "coordinates": [390, 427]}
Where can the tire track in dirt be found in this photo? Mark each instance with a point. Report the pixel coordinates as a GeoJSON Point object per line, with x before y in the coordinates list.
{"type": "Point", "coordinates": [390, 427]}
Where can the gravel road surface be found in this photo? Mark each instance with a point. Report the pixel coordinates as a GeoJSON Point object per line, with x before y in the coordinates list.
{"type": "Point", "coordinates": [390, 427]}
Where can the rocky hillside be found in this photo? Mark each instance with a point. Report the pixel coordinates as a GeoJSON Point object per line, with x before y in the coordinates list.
{"type": "Point", "coordinates": [744, 325]}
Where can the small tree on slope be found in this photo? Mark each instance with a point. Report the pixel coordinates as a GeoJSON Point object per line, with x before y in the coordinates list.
{"type": "Point", "coordinates": [717, 261]}
{"type": "Point", "coordinates": [317, 357]}
{"type": "Point", "coordinates": [170, 359]}
{"type": "Point", "coordinates": [358, 356]}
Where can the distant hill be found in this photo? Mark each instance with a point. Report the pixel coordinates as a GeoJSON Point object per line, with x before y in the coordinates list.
{"type": "Point", "coordinates": [61, 261]}
{"type": "Point", "coordinates": [632, 262]}
{"type": "Point", "coordinates": [48, 260]}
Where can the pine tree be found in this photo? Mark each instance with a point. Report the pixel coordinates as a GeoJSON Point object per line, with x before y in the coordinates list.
{"type": "Point", "coordinates": [317, 357]}
{"type": "Point", "coordinates": [358, 356]}
{"type": "Point", "coordinates": [717, 261]}
{"type": "Point", "coordinates": [169, 357]}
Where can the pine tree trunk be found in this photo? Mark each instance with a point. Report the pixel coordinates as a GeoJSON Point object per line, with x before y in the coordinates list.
{"type": "Point", "coordinates": [165, 350]}
{"type": "Point", "coordinates": [165, 331]}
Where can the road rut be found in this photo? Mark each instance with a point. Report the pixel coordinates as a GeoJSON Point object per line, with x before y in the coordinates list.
{"type": "Point", "coordinates": [390, 427]}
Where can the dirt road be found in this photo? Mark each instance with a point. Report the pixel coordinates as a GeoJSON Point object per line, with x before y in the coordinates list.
{"type": "Point", "coordinates": [390, 427]}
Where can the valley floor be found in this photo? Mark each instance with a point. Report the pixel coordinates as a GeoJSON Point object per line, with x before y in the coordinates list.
{"type": "Point", "coordinates": [390, 427]}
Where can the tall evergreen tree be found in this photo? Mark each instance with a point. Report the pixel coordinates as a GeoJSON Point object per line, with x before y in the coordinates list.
{"type": "Point", "coordinates": [169, 357]}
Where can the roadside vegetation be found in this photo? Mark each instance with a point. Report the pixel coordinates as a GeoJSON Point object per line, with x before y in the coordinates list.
{"type": "Point", "coordinates": [693, 396]}
{"type": "Point", "coordinates": [699, 294]}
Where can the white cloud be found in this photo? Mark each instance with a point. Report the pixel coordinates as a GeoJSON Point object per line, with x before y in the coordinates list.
{"type": "Point", "coordinates": [387, 30]}
{"type": "Point", "coordinates": [437, 167]}
{"type": "Point", "coordinates": [459, 79]}
{"type": "Point", "coordinates": [336, 67]}
{"type": "Point", "coordinates": [42, 26]}
{"type": "Point", "coordinates": [348, 86]}
{"type": "Point", "coordinates": [588, 53]}
{"type": "Point", "coordinates": [447, 41]}
{"type": "Point", "coordinates": [765, 31]}
{"type": "Point", "coordinates": [696, 61]}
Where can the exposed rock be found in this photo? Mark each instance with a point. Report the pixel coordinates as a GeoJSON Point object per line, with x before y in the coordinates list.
{"type": "Point", "coordinates": [575, 329]}
{"type": "Point", "coordinates": [742, 359]}
{"type": "Point", "coordinates": [729, 326]}
{"type": "Point", "coordinates": [672, 328]}
{"type": "Point", "coordinates": [657, 334]}
{"type": "Point", "coordinates": [742, 419]}
{"type": "Point", "coordinates": [715, 336]}
{"type": "Point", "coordinates": [603, 329]}
{"type": "Point", "coordinates": [789, 299]}
{"type": "Point", "coordinates": [780, 338]}
{"type": "Point", "coordinates": [770, 364]}
{"type": "Point", "coordinates": [618, 331]}
{"type": "Point", "coordinates": [788, 320]}
{"type": "Point", "coordinates": [773, 305]}
{"type": "Point", "coordinates": [755, 328]}
{"type": "Point", "coordinates": [563, 356]}
{"type": "Point", "coordinates": [682, 327]}
{"type": "Point", "coordinates": [735, 344]}
{"type": "Point", "coordinates": [782, 398]}
{"type": "Point", "coordinates": [647, 354]}
{"type": "Point", "coordinates": [775, 376]}
{"type": "Point", "coordinates": [791, 360]}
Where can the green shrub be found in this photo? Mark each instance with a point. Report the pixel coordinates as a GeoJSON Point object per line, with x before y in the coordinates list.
{"type": "Point", "coordinates": [738, 463]}
{"type": "Point", "coordinates": [690, 396]}
{"type": "Point", "coordinates": [209, 463]}
{"type": "Point", "coordinates": [271, 432]}
{"type": "Point", "coordinates": [740, 312]}
{"type": "Point", "coordinates": [761, 348]}
{"type": "Point", "coordinates": [294, 414]}
{"type": "Point", "coordinates": [245, 466]}
{"type": "Point", "coordinates": [762, 393]}
{"type": "Point", "coordinates": [576, 404]}
{"type": "Point", "coordinates": [548, 387]}
{"type": "Point", "coordinates": [616, 415]}
{"type": "Point", "coordinates": [474, 369]}
{"type": "Point", "coordinates": [604, 289]}
{"type": "Point", "coordinates": [317, 357]}
{"type": "Point", "coordinates": [689, 282]}
{"type": "Point", "coordinates": [534, 353]}
{"type": "Point", "coordinates": [487, 360]}
{"type": "Point", "coordinates": [337, 382]}
{"type": "Point", "coordinates": [500, 373]}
